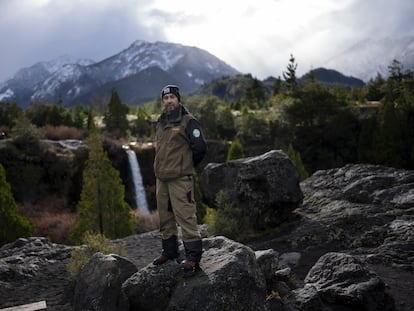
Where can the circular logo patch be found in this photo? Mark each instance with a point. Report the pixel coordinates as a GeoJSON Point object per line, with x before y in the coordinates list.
{"type": "Point", "coordinates": [196, 133]}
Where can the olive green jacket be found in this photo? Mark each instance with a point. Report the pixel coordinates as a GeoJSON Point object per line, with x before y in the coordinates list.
{"type": "Point", "coordinates": [180, 145]}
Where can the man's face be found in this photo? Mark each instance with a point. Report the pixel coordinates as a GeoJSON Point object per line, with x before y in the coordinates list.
{"type": "Point", "coordinates": [170, 102]}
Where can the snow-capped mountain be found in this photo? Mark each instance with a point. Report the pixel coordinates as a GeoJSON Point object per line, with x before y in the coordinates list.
{"type": "Point", "coordinates": [29, 81]}
{"type": "Point", "coordinates": [137, 72]}
{"type": "Point", "coordinates": [371, 56]}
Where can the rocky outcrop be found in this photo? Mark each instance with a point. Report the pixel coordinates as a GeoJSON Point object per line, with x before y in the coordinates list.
{"type": "Point", "coordinates": [350, 247]}
{"type": "Point", "coordinates": [233, 277]}
{"type": "Point", "coordinates": [230, 280]}
{"type": "Point", "coordinates": [32, 270]}
{"type": "Point", "coordinates": [341, 282]}
{"type": "Point", "coordinates": [99, 284]}
{"type": "Point", "coordinates": [265, 187]}
{"type": "Point", "coordinates": [362, 210]}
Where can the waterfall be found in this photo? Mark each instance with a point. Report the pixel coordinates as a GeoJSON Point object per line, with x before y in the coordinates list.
{"type": "Point", "coordinates": [140, 196]}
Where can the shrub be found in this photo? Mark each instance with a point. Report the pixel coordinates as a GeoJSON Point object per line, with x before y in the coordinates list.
{"type": "Point", "coordinates": [228, 220]}
{"type": "Point", "coordinates": [297, 161]}
{"type": "Point", "coordinates": [26, 136]}
{"type": "Point", "coordinates": [210, 217]}
{"type": "Point", "coordinates": [236, 151]}
{"type": "Point", "coordinates": [12, 224]}
{"type": "Point", "coordinates": [52, 218]}
{"type": "Point", "coordinates": [93, 243]}
{"type": "Point", "coordinates": [63, 132]}
{"type": "Point", "coordinates": [146, 222]}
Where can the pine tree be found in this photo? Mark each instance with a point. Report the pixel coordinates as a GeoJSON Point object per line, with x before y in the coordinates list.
{"type": "Point", "coordinates": [255, 94]}
{"type": "Point", "coordinates": [290, 76]}
{"type": "Point", "coordinates": [115, 118]}
{"type": "Point", "coordinates": [142, 127]}
{"type": "Point", "coordinates": [374, 88]}
{"type": "Point", "coordinates": [102, 208]}
{"type": "Point", "coordinates": [12, 225]}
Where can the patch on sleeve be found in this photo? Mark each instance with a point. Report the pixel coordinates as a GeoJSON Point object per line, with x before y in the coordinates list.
{"type": "Point", "coordinates": [196, 133]}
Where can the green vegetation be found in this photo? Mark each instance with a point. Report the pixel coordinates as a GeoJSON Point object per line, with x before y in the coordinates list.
{"type": "Point", "coordinates": [26, 136]}
{"type": "Point", "coordinates": [116, 116]}
{"type": "Point", "coordinates": [289, 76]}
{"type": "Point", "coordinates": [93, 243]}
{"type": "Point", "coordinates": [297, 161]}
{"type": "Point", "coordinates": [141, 127]}
{"type": "Point", "coordinates": [227, 220]}
{"type": "Point", "coordinates": [12, 225]}
{"type": "Point", "coordinates": [322, 122]}
{"type": "Point", "coordinates": [236, 151]}
{"type": "Point", "coordinates": [319, 125]}
{"type": "Point", "coordinates": [102, 208]}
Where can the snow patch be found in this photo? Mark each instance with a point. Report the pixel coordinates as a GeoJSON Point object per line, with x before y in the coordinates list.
{"type": "Point", "coordinates": [6, 95]}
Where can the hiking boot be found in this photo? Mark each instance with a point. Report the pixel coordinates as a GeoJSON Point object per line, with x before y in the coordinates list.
{"type": "Point", "coordinates": [160, 260]}
{"type": "Point", "coordinates": [190, 266]}
{"type": "Point", "coordinates": [169, 251]}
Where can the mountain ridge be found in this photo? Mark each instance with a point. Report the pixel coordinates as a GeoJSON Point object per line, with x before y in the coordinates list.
{"type": "Point", "coordinates": [134, 71]}
{"type": "Point", "coordinates": [82, 81]}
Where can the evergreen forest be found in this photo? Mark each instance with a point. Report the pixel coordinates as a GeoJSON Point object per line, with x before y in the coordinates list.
{"type": "Point", "coordinates": [319, 126]}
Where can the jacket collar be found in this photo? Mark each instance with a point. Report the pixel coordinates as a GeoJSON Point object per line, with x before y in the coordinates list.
{"type": "Point", "coordinates": [175, 116]}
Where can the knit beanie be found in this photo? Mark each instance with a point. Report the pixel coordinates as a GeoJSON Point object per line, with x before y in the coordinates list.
{"type": "Point", "coordinates": [171, 89]}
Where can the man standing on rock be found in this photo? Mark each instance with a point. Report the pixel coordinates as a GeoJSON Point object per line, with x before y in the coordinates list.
{"type": "Point", "coordinates": [180, 146]}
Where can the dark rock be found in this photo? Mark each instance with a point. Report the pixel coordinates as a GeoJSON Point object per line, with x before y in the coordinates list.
{"type": "Point", "coordinates": [364, 212]}
{"type": "Point", "coordinates": [368, 184]}
{"type": "Point", "coordinates": [265, 187]}
{"type": "Point", "coordinates": [367, 208]}
{"type": "Point", "coordinates": [34, 269]}
{"type": "Point", "coordinates": [230, 279]}
{"type": "Point", "coordinates": [341, 282]}
{"type": "Point", "coordinates": [267, 261]}
{"type": "Point", "coordinates": [361, 210]}
{"type": "Point", "coordinates": [99, 284]}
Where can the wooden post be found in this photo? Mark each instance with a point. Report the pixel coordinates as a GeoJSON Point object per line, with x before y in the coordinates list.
{"type": "Point", "coordinates": [40, 305]}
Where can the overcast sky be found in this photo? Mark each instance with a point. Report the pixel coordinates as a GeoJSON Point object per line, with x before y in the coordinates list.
{"type": "Point", "coordinates": [253, 36]}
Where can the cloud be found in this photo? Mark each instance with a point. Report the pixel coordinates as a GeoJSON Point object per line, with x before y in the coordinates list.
{"type": "Point", "coordinates": [255, 37]}
{"type": "Point", "coordinates": [36, 30]}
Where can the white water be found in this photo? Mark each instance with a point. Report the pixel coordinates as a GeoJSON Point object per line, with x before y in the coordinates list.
{"type": "Point", "coordinates": [140, 197]}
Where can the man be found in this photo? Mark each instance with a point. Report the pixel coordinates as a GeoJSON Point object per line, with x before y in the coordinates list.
{"type": "Point", "coordinates": [180, 146]}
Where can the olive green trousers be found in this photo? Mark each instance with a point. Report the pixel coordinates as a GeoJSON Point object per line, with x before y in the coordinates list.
{"type": "Point", "coordinates": [176, 206]}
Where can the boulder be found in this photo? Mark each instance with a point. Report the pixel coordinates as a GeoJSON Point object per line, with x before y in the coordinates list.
{"type": "Point", "coordinates": [230, 279]}
{"type": "Point", "coordinates": [362, 213]}
{"type": "Point", "coordinates": [99, 284]}
{"type": "Point", "coordinates": [265, 187]}
{"type": "Point", "coordinates": [268, 261]}
{"type": "Point", "coordinates": [366, 208]}
{"type": "Point", "coordinates": [341, 282]}
{"type": "Point", "coordinates": [361, 210]}
{"type": "Point", "coordinates": [34, 269]}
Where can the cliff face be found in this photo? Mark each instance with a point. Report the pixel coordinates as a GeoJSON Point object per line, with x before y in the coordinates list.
{"type": "Point", "coordinates": [49, 168]}
{"type": "Point", "coordinates": [55, 169]}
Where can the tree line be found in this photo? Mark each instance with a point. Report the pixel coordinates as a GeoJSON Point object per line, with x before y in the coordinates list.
{"type": "Point", "coordinates": [322, 123]}
{"type": "Point", "coordinates": [319, 126]}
